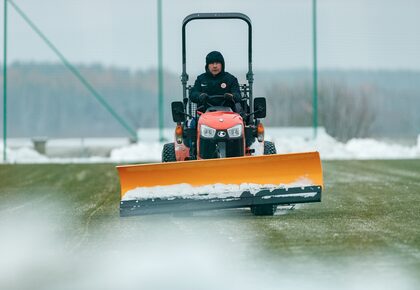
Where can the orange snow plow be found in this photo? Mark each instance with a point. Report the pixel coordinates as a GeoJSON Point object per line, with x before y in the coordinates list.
{"type": "Point", "coordinates": [259, 182]}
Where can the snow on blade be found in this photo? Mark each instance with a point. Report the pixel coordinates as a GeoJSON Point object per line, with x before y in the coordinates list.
{"type": "Point", "coordinates": [303, 194]}
{"type": "Point", "coordinates": [217, 190]}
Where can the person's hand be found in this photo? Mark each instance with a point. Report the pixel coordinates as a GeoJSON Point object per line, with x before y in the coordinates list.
{"type": "Point", "coordinates": [228, 97]}
{"type": "Point", "coordinates": [203, 98]}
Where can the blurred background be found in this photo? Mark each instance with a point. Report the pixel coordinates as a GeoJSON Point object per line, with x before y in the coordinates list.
{"type": "Point", "coordinates": [368, 64]}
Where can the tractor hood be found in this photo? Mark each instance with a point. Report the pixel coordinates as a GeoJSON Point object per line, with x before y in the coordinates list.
{"type": "Point", "coordinates": [220, 120]}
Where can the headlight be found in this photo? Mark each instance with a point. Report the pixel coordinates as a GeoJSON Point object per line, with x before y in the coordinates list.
{"type": "Point", "coordinates": [235, 131]}
{"type": "Point", "coordinates": [207, 131]}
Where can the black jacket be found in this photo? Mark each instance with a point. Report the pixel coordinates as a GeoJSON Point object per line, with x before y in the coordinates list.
{"type": "Point", "coordinates": [220, 84]}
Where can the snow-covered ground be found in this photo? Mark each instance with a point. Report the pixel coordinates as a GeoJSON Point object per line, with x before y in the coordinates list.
{"type": "Point", "coordinates": [287, 140]}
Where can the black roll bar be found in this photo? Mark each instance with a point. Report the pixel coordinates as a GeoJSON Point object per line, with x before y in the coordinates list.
{"type": "Point", "coordinates": [198, 16]}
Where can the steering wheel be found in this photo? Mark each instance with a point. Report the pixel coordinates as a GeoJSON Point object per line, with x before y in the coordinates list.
{"type": "Point", "coordinates": [218, 100]}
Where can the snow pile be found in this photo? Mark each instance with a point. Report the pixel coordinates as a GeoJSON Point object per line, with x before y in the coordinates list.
{"type": "Point", "coordinates": [331, 149]}
{"type": "Point", "coordinates": [288, 140]}
{"type": "Point", "coordinates": [25, 154]}
{"type": "Point", "coordinates": [30, 156]}
{"type": "Point", "coordinates": [210, 191]}
{"type": "Point", "coordinates": [373, 149]}
{"type": "Point", "coordinates": [142, 151]}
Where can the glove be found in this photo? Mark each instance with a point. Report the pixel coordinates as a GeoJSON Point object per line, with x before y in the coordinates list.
{"type": "Point", "coordinates": [203, 98]}
{"type": "Point", "coordinates": [228, 97]}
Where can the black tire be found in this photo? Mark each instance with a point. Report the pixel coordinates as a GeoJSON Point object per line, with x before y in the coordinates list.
{"type": "Point", "coordinates": [168, 152]}
{"type": "Point", "coordinates": [269, 148]}
{"type": "Point", "coordinates": [266, 209]}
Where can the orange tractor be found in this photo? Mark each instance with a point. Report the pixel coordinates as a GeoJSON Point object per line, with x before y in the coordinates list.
{"type": "Point", "coordinates": [213, 162]}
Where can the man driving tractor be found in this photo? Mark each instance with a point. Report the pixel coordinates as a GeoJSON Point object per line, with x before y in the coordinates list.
{"type": "Point", "coordinates": [216, 82]}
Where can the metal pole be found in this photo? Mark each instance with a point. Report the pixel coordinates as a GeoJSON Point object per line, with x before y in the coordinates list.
{"type": "Point", "coordinates": [5, 83]}
{"type": "Point", "coordinates": [75, 72]}
{"type": "Point", "coordinates": [315, 70]}
{"type": "Point", "coordinates": [160, 70]}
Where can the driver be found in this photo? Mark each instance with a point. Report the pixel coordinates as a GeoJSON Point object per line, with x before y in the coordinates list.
{"type": "Point", "coordinates": [215, 81]}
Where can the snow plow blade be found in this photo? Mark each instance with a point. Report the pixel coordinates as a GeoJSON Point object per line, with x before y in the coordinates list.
{"type": "Point", "coordinates": [220, 183]}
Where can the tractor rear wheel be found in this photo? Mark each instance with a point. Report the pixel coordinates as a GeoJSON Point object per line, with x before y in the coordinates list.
{"type": "Point", "coordinates": [168, 152]}
{"type": "Point", "coordinates": [263, 210]}
{"type": "Point", "coordinates": [266, 209]}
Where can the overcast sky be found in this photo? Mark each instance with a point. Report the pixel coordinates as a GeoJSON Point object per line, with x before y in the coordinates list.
{"type": "Point", "coordinates": [352, 34]}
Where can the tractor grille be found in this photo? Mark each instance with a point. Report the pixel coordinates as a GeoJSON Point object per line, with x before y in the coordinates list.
{"type": "Point", "coordinates": [208, 148]}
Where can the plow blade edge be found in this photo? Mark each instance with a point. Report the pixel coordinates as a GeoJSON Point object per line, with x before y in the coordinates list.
{"type": "Point", "coordinates": [220, 183]}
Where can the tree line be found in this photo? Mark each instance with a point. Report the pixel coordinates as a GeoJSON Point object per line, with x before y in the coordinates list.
{"type": "Point", "coordinates": [45, 99]}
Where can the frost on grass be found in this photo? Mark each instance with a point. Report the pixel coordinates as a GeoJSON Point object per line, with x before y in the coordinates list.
{"type": "Point", "coordinates": [217, 190]}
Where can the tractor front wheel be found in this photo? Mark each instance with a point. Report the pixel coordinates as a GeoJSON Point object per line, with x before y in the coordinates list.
{"type": "Point", "coordinates": [168, 152]}
{"type": "Point", "coordinates": [266, 209]}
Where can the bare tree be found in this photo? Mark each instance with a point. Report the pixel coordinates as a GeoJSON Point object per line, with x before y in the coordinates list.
{"type": "Point", "coordinates": [344, 112]}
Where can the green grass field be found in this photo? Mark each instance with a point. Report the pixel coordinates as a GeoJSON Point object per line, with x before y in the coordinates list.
{"type": "Point", "coordinates": [365, 233]}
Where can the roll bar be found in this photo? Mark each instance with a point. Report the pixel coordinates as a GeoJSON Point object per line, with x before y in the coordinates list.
{"type": "Point", "coordinates": [198, 16]}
